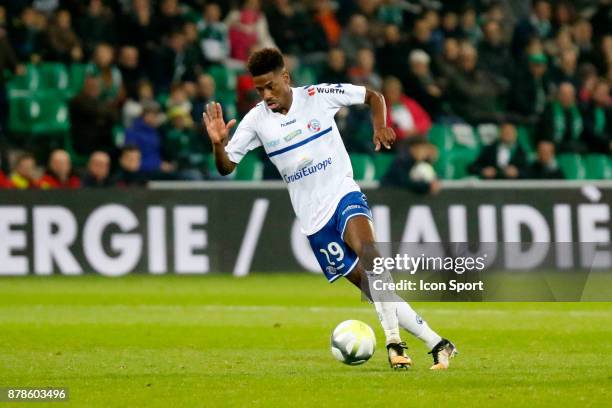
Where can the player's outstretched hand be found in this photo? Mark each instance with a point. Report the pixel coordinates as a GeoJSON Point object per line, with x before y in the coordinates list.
{"type": "Point", "coordinates": [384, 137]}
{"type": "Point", "coordinates": [218, 130]}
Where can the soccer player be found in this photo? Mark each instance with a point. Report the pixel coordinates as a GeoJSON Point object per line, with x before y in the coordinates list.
{"type": "Point", "coordinates": [297, 130]}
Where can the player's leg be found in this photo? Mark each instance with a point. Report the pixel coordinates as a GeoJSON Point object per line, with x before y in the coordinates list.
{"type": "Point", "coordinates": [360, 226]}
{"type": "Point", "coordinates": [359, 236]}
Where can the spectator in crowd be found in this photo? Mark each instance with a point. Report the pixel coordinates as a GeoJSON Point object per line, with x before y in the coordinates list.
{"type": "Point", "coordinates": [545, 165]}
{"type": "Point", "coordinates": [205, 93]}
{"type": "Point", "coordinates": [567, 70]}
{"type": "Point", "coordinates": [421, 84]}
{"type": "Point", "coordinates": [530, 89]}
{"type": "Point", "coordinates": [248, 29]}
{"type": "Point", "coordinates": [562, 122]}
{"type": "Point", "coordinates": [137, 27]}
{"type": "Point", "coordinates": [469, 26]}
{"type": "Point", "coordinates": [538, 24]}
{"type": "Point", "coordinates": [502, 159]}
{"type": "Point", "coordinates": [355, 37]}
{"type": "Point", "coordinates": [404, 115]}
{"type": "Point", "coordinates": [447, 63]}
{"type": "Point", "coordinates": [132, 108]}
{"type": "Point", "coordinates": [24, 172]}
{"type": "Point", "coordinates": [4, 181]}
{"type": "Point", "coordinates": [92, 120]}
{"type": "Point", "coordinates": [293, 31]}
{"type": "Point", "coordinates": [597, 116]}
{"type": "Point", "coordinates": [474, 94]}
{"type": "Point", "coordinates": [98, 171]}
{"type": "Point", "coordinates": [10, 63]}
{"type": "Point", "coordinates": [390, 56]}
{"type": "Point", "coordinates": [412, 167]}
{"type": "Point", "coordinates": [583, 37]}
{"type": "Point", "coordinates": [564, 15]}
{"type": "Point", "coordinates": [62, 43]}
{"type": "Point", "coordinates": [335, 71]}
{"type": "Point", "coordinates": [450, 25]}
{"type": "Point", "coordinates": [213, 35]}
{"type": "Point", "coordinates": [59, 172]}
{"type": "Point", "coordinates": [421, 38]}
{"type": "Point", "coordinates": [178, 97]}
{"type": "Point", "coordinates": [28, 35]}
{"type": "Point", "coordinates": [131, 71]}
{"type": "Point", "coordinates": [96, 26]}
{"type": "Point", "coordinates": [108, 74]}
{"type": "Point", "coordinates": [493, 54]}
{"type": "Point", "coordinates": [174, 62]}
{"type": "Point", "coordinates": [169, 18]}
{"type": "Point", "coordinates": [144, 134]}
{"type": "Point", "coordinates": [325, 16]}
{"type": "Point", "coordinates": [362, 73]}
{"type": "Point", "coordinates": [129, 174]}
{"type": "Point", "coordinates": [182, 146]}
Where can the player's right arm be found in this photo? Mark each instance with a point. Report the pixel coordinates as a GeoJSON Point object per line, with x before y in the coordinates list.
{"type": "Point", "coordinates": [228, 153]}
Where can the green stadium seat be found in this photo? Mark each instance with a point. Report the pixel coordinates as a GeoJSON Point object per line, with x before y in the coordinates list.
{"type": "Point", "coordinates": [78, 72]}
{"type": "Point", "coordinates": [524, 140]}
{"type": "Point", "coordinates": [43, 114]}
{"type": "Point", "coordinates": [118, 135]}
{"type": "Point", "coordinates": [382, 163]}
{"type": "Point", "coordinates": [459, 160]}
{"type": "Point", "coordinates": [250, 167]}
{"type": "Point", "coordinates": [23, 85]}
{"type": "Point", "coordinates": [441, 137]}
{"type": "Point", "coordinates": [363, 167]}
{"type": "Point", "coordinates": [54, 77]}
{"type": "Point", "coordinates": [597, 167]}
{"type": "Point", "coordinates": [572, 166]}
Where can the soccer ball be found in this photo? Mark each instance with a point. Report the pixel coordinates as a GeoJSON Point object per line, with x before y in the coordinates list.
{"type": "Point", "coordinates": [353, 342]}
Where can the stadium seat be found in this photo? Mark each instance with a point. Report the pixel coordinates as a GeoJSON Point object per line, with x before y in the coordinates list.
{"type": "Point", "coordinates": [43, 114]}
{"type": "Point", "coordinates": [23, 85]}
{"type": "Point", "coordinates": [77, 77]}
{"type": "Point", "coordinates": [441, 137]}
{"type": "Point", "coordinates": [466, 147]}
{"type": "Point", "coordinates": [363, 167]}
{"type": "Point", "coordinates": [250, 168]}
{"type": "Point", "coordinates": [597, 167]}
{"type": "Point", "coordinates": [571, 165]}
{"type": "Point", "coordinates": [118, 135]}
{"type": "Point", "coordinates": [54, 77]}
{"type": "Point", "coordinates": [382, 162]}
{"type": "Point", "coordinates": [459, 159]}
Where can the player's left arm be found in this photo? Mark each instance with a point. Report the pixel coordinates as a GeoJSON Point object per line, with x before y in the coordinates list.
{"type": "Point", "coordinates": [383, 135]}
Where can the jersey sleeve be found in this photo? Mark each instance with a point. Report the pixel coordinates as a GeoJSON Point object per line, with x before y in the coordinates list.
{"type": "Point", "coordinates": [339, 95]}
{"type": "Point", "coordinates": [243, 141]}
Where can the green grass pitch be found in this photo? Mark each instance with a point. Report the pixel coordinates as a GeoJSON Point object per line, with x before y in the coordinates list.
{"type": "Point", "coordinates": [263, 341]}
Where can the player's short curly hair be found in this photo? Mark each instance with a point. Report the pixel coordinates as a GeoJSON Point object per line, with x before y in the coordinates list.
{"type": "Point", "coordinates": [265, 60]}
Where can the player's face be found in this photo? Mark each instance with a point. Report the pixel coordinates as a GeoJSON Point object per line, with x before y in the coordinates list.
{"type": "Point", "coordinates": [274, 89]}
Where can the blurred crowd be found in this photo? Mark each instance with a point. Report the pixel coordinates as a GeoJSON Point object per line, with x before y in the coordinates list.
{"type": "Point", "coordinates": [151, 66]}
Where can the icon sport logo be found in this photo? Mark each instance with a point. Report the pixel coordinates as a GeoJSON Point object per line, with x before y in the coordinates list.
{"type": "Point", "coordinates": [314, 125]}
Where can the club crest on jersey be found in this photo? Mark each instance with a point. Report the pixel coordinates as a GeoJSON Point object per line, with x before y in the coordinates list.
{"type": "Point", "coordinates": [314, 125]}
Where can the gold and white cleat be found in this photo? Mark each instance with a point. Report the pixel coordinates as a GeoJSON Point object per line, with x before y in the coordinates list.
{"type": "Point", "coordinates": [442, 353]}
{"type": "Point", "coordinates": [398, 359]}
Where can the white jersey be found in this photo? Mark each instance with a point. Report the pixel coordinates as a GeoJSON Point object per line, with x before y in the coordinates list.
{"type": "Point", "coordinates": [306, 148]}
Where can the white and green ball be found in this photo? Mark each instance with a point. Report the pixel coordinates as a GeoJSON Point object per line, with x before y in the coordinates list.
{"type": "Point", "coordinates": [353, 342]}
